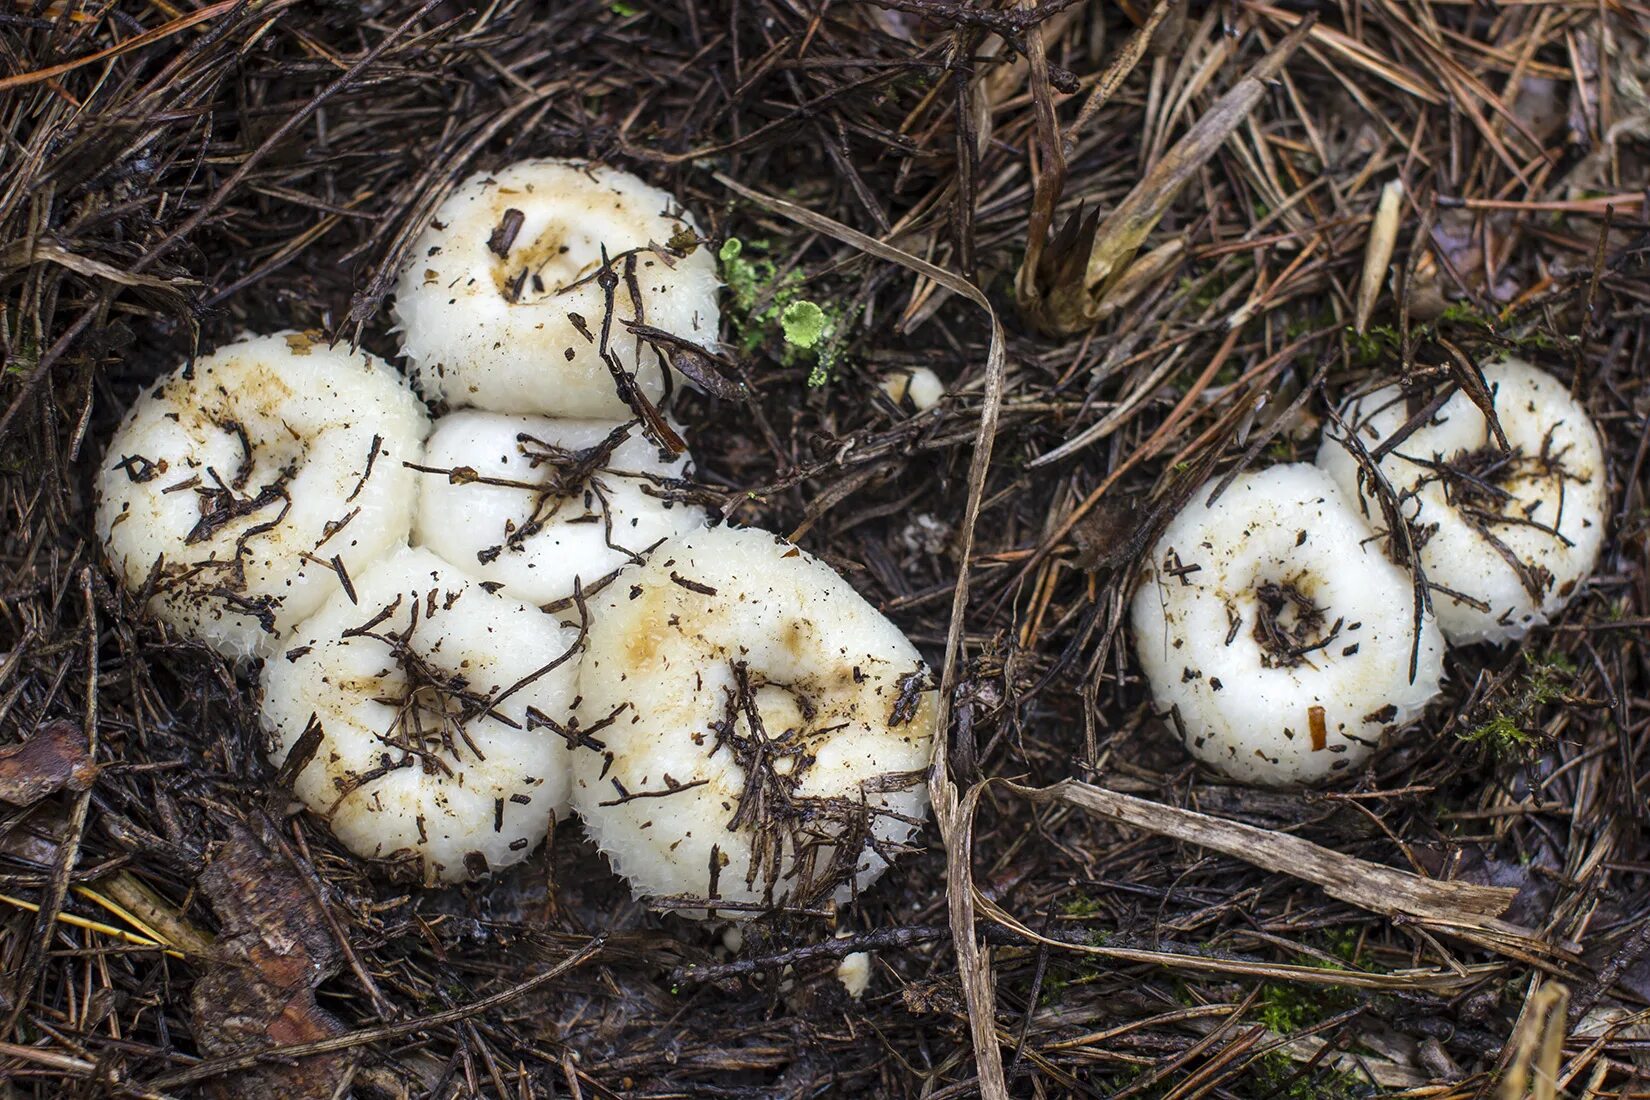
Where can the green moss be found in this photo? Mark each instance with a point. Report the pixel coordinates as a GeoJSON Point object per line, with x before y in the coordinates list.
{"type": "Point", "coordinates": [1381, 343]}
{"type": "Point", "coordinates": [1075, 970]}
{"type": "Point", "coordinates": [1509, 729]}
{"type": "Point", "coordinates": [1501, 733]}
{"type": "Point", "coordinates": [25, 357]}
{"type": "Point", "coordinates": [1371, 348]}
{"type": "Point", "coordinates": [1344, 943]}
{"type": "Point", "coordinates": [1081, 907]}
{"type": "Point", "coordinates": [1286, 1009]}
{"type": "Point", "coordinates": [1563, 663]}
{"type": "Point", "coordinates": [1465, 313]}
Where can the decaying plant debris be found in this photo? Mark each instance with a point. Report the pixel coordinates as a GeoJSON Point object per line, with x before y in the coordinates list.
{"type": "Point", "coordinates": [175, 174]}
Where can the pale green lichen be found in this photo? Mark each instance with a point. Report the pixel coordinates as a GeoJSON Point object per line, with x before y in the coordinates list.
{"type": "Point", "coordinates": [765, 302]}
{"type": "Point", "coordinates": [804, 323]}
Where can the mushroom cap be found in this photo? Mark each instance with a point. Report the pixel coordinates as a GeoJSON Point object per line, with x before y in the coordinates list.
{"type": "Point", "coordinates": [807, 803]}
{"type": "Point", "coordinates": [1476, 509]}
{"type": "Point", "coordinates": [239, 478]}
{"type": "Point", "coordinates": [1277, 634]}
{"type": "Point", "coordinates": [428, 692]}
{"type": "Point", "coordinates": [500, 306]}
{"type": "Point", "coordinates": [537, 541]}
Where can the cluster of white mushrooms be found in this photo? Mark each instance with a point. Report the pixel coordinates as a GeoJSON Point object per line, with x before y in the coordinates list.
{"type": "Point", "coordinates": [469, 626]}
{"type": "Point", "coordinates": [1276, 626]}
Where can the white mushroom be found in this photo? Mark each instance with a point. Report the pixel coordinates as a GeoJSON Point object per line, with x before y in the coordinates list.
{"type": "Point", "coordinates": [920, 384]}
{"type": "Point", "coordinates": [534, 503]}
{"type": "Point", "coordinates": [503, 302]}
{"type": "Point", "coordinates": [1275, 632]}
{"type": "Point", "coordinates": [1505, 536]}
{"type": "Point", "coordinates": [247, 486]}
{"type": "Point", "coordinates": [419, 719]}
{"type": "Point", "coordinates": [764, 730]}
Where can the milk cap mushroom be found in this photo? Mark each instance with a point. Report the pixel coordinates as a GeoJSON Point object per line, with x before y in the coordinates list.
{"type": "Point", "coordinates": [419, 718]}
{"type": "Point", "coordinates": [1506, 535]}
{"type": "Point", "coordinates": [760, 731]}
{"type": "Point", "coordinates": [1276, 634]}
{"type": "Point", "coordinates": [536, 504]}
{"type": "Point", "coordinates": [251, 484]}
{"type": "Point", "coordinates": [503, 301]}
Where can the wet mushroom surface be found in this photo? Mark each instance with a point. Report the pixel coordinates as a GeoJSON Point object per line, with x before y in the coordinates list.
{"type": "Point", "coordinates": [1205, 232]}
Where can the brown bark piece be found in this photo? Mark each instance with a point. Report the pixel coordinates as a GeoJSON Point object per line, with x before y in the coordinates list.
{"type": "Point", "coordinates": [274, 948]}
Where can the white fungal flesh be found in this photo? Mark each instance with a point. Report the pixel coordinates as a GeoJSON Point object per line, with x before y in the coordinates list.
{"type": "Point", "coordinates": [425, 692]}
{"type": "Point", "coordinates": [242, 485]}
{"type": "Point", "coordinates": [535, 503]}
{"type": "Point", "coordinates": [854, 972]}
{"type": "Point", "coordinates": [718, 627]}
{"type": "Point", "coordinates": [1277, 634]}
{"type": "Point", "coordinates": [501, 306]}
{"type": "Point", "coordinates": [920, 384]}
{"type": "Point", "coordinates": [1505, 537]}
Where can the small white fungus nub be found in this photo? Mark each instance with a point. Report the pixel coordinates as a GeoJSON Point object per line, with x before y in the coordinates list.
{"type": "Point", "coordinates": [1277, 634]}
{"type": "Point", "coordinates": [501, 302]}
{"type": "Point", "coordinates": [534, 503]}
{"type": "Point", "coordinates": [854, 972]}
{"type": "Point", "coordinates": [920, 384]}
{"type": "Point", "coordinates": [417, 713]}
{"type": "Point", "coordinates": [1505, 537]}
{"type": "Point", "coordinates": [244, 484]}
{"type": "Point", "coordinates": [765, 731]}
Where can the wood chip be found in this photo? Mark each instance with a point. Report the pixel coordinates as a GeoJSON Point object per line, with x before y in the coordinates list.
{"type": "Point", "coordinates": [53, 759]}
